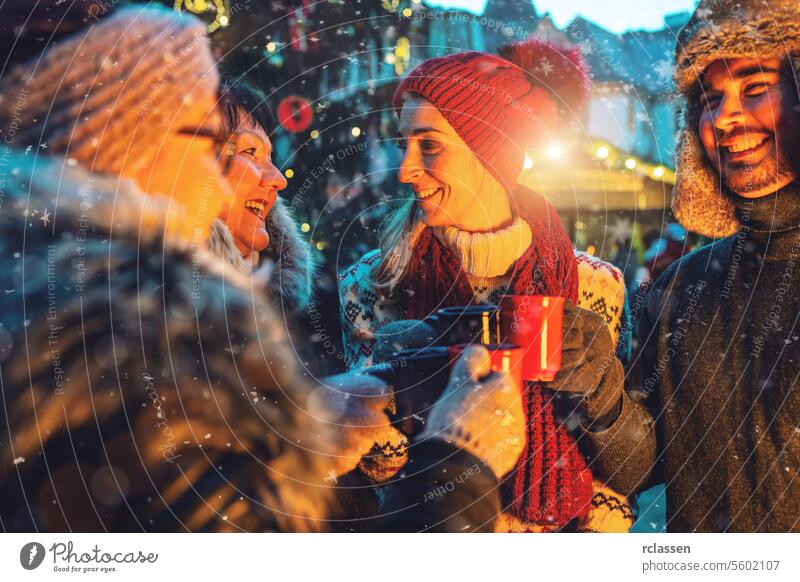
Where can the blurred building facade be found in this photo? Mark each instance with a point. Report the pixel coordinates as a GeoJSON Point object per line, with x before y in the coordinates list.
{"type": "Point", "coordinates": [344, 58]}
{"type": "Point", "coordinates": [611, 180]}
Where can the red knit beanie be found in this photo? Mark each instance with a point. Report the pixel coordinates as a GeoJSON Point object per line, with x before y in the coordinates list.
{"type": "Point", "coordinates": [500, 105]}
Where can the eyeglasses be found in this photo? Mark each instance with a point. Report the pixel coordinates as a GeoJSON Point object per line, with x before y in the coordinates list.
{"type": "Point", "coordinates": [224, 147]}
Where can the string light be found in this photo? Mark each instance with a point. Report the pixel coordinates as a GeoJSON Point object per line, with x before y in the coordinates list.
{"type": "Point", "coordinates": [355, 132]}
{"type": "Point", "coordinates": [271, 47]}
{"type": "Point", "coordinates": [402, 53]}
{"type": "Point", "coordinates": [314, 134]}
{"type": "Point", "coordinates": [305, 227]}
{"type": "Point", "coordinates": [604, 151]}
{"type": "Point", "coordinates": [221, 18]}
{"type": "Point", "coordinates": [289, 173]}
{"type": "Point", "coordinates": [554, 151]}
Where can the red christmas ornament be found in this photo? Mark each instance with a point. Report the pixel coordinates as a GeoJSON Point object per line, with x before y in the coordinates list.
{"type": "Point", "coordinates": [295, 113]}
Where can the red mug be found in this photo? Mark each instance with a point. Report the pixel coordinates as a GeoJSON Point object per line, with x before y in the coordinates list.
{"type": "Point", "coordinates": [535, 323]}
{"type": "Point", "coordinates": [504, 358]}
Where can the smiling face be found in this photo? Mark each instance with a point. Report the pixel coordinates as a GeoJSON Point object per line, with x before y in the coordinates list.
{"type": "Point", "coordinates": [451, 185]}
{"type": "Point", "coordinates": [749, 123]}
{"type": "Point", "coordinates": [256, 183]}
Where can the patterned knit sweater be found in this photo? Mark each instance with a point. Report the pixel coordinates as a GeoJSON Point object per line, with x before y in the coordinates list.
{"type": "Point", "coordinates": [364, 311]}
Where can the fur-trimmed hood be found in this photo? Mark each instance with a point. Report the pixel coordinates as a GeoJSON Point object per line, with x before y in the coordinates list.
{"type": "Point", "coordinates": [148, 355]}
{"type": "Point", "coordinates": [720, 29]}
{"type": "Point", "coordinates": [295, 266]}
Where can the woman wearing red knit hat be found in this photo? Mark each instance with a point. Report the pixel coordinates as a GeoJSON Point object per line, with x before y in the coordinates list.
{"type": "Point", "coordinates": [471, 234]}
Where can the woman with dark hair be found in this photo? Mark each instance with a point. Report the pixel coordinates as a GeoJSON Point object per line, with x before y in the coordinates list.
{"type": "Point", "coordinates": [257, 223]}
{"type": "Point", "coordinates": [144, 388]}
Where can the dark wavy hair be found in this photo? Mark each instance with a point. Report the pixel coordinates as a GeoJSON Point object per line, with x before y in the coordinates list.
{"type": "Point", "coordinates": [241, 102]}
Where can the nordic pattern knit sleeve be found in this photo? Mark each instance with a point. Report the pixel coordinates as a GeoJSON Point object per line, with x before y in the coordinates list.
{"type": "Point", "coordinates": [601, 289]}
{"type": "Point", "coordinates": [362, 310]}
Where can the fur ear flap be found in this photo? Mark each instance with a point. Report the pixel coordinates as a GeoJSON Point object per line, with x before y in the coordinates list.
{"type": "Point", "coordinates": [560, 70]}
{"type": "Point", "coordinates": [697, 199]}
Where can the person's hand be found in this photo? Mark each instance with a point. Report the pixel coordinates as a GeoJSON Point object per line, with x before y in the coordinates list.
{"type": "Point", "coordinates": [481, 412]}
{"type": "Point", "coordinates": [355, 404]}
{"type": "Point", "coordinates": [589, 367]}
{"type": "Point", "coordinates": [400, 335]}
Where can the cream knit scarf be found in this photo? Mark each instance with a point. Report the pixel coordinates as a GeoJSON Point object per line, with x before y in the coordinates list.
{"type": "Point", "coordinates": [487, 254]}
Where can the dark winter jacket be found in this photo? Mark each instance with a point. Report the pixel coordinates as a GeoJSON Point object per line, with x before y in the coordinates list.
{"type": "Point", "coordinates": [141, 388]}
{"type": "Point", "coordinates": [443, 489]}
{"type": "Point", "coordinates": [720, 366]}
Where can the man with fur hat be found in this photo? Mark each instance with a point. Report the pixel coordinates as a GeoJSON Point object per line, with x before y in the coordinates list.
{"type": "Point", "coordinates": [719, 329]}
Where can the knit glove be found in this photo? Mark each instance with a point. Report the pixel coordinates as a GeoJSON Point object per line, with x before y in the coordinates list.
{"type": "Point", "coordinates": [355, 405]}
{"type": "Point", "coordinates": [590, 369]}
{"type": "Point", "coordinates": [481, 412]}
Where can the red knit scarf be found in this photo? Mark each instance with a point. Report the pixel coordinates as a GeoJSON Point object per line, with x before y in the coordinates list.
{"type": "Point", "coordinates": [551, 483]}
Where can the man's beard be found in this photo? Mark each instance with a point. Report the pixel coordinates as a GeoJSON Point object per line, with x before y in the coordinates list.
{"type": "Point", "coordinates": [752, 179]}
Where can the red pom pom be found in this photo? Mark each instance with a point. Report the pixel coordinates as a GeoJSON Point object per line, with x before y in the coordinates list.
{"type": "Point", "coordinates": [560, 70]}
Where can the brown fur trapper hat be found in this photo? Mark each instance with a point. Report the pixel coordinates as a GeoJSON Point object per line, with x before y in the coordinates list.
{"type": "Point", "coordinates": [720, 29]}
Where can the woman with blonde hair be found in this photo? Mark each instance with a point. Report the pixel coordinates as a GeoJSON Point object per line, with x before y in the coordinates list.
{"type": "Point", "coordinates": [471, 234]}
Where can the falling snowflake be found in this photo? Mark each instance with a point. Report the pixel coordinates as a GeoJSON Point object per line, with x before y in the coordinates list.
{"type": "Point", "coordinates": [43, 145]}
{"type": "Point", "coordinates": [331, 477]}
{"type": "Point", "coordinates": [45, 217]}
{"type": "Point", "coordinates": [586, 47]}
{"type": "Point", "coordinates": [546, 67]}
{"type": "Point", "coordinates": [621, 230]}
{"type": "Point", "coordinates": [663, 69]}
{"type": "Point", "coordinates": [19, 460]}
